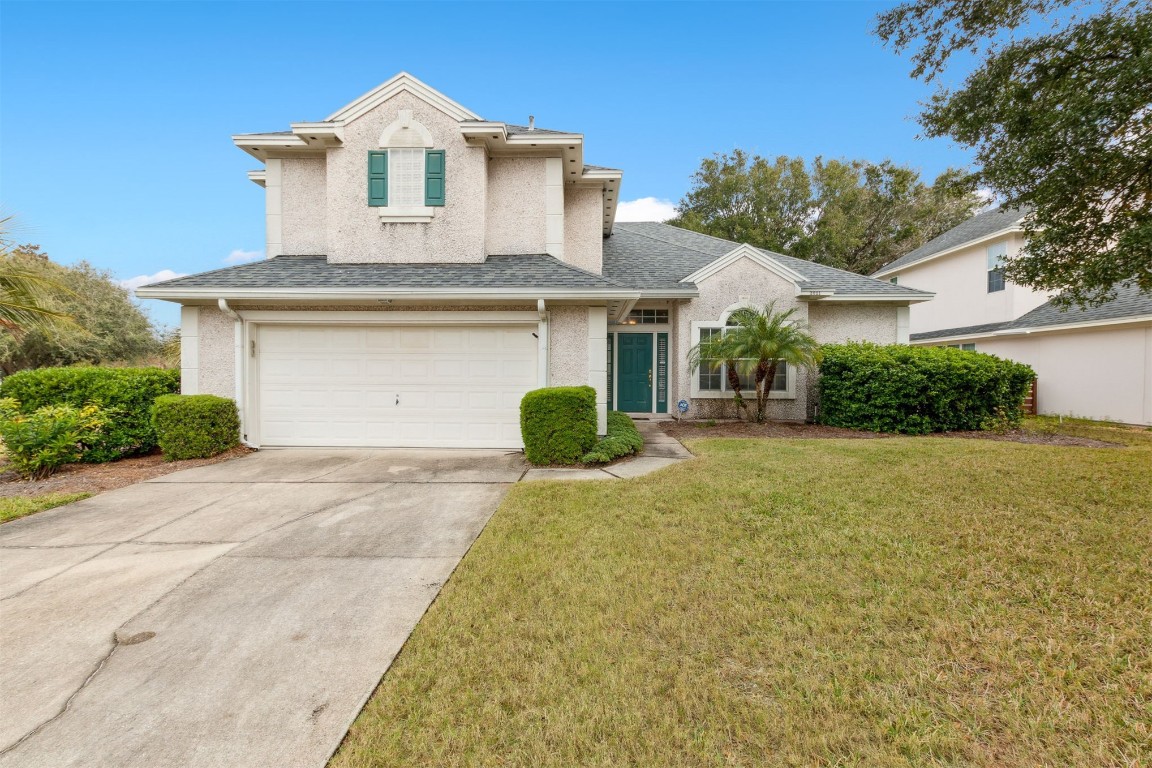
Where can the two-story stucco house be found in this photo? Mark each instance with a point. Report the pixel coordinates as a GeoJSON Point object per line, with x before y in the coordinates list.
{"type": "Point", "coordinates": [427, 267]}
{"type": "Point", "coordinates": [1094, 363]}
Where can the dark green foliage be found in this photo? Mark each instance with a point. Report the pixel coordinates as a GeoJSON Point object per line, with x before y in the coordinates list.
{"type": "Point", "coordinates": [849, 214]}
{"type": "Point", "coordinates": [41, 442]}
{"type": "Point", "coordinates": [1056, 109]}
{"type": "Point", "coordinates": [916, 390]}
{"type": "Point", "coordinates": [623, 439]}
{"type": "Point", "coordinates": [124, 394]}
{"type": "Point", "coordinates": [195, 426]}
{"type": "Point", "coordinates": [558, 424]}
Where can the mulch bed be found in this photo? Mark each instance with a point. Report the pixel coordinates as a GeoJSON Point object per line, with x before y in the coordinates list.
{"type": "Point", "coordinates": [687, 430]}
{"type": "Point", "coordinates": [97, 478]}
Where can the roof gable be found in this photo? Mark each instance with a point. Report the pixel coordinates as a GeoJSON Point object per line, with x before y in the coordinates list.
{"type": "Point", "coordinates": [998, 221]}
{"type": "Point", "coordinates": [744, 251]}
{"type": "Point", "coordinates": [397, 84]}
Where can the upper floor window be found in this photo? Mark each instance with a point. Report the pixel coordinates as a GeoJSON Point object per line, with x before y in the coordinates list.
{"type": "Point", "coordinates": [406, 176]}
{"type": "Point", "coordinates": [895, 279]}
{"type": "Point", "coordinates": [996, 255]}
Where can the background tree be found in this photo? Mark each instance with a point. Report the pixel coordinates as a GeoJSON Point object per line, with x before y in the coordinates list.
{"type": "Point", "coordinates": [107, 327]}
{"type": "Point", "coordinates": [1059, 111]}
{"type": "Point", "coordinates": [853, 215]}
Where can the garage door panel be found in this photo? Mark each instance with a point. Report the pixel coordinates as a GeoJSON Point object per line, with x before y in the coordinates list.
{"type": "Point", "coordinates": [338, 386]}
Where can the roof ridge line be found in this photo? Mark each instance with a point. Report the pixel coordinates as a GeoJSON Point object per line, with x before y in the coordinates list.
{"type": "Point", "coordinates": [669, 242]}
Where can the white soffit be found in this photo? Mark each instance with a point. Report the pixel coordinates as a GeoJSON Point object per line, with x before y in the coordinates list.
{"type": "Point", "coordinates": [745, 251]}
{"type": "Point", "coordinates": [402, 82]}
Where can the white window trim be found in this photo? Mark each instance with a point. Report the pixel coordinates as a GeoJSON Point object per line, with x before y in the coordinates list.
{"type": "Point", "coordinates": [707, 394]}
{"type": "Point", "coordinates": [405, 133]}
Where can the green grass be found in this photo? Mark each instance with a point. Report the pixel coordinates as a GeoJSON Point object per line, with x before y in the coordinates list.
{"type": "Point", "coordinates": [1096, 430]}
{"type": "Point", "coordinates": [900, 602]}
{"type": "Point", "coordinates": [12, 507]}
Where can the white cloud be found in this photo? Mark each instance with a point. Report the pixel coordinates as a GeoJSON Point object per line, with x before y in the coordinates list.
{"type": "Point", "coordinates": [240, 256]}
{"type": "Point", "coordinates": [645, 209]}
{"type": "Point", "coordinates": [133, 283]}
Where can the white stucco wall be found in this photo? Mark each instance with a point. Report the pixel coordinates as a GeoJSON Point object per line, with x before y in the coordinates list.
{"type": "Point", "coordinates": [960, 282]}
{"type": "Point", "coordinates": [355, 231]}
{"type": "Point", "coordinates": [304, 208]}
{"type": "Point", "coordinates": [217, 356]}
{"type": "Point", "coordinates": [1103, 373]}
{"type": "Point", "coordinates": [583, 228]}
{"type": "Point", "coordinates": [833, 323]}
{"type": "Point", "coordinates": [516, 205]}
{"type": "Point", "coordinates": [568, 346]}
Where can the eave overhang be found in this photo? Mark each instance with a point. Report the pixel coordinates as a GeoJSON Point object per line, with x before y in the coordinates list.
{"type": "Point", "coordinates": [322, 295]}
{"type": "Point", "coordinates": [888, 271]}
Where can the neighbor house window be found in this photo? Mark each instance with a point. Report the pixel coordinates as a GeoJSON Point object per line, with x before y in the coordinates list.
{"type": "Point", "coordinates": [996, 256]}
{"type": "Point", "coordinates": [712, 376]}
{"type": "Point", "coordinates": [965, 347]}
{"type": "Point", "coordinates": [894, 280]}
{"type": "Point", "coordinates": [647, 317]}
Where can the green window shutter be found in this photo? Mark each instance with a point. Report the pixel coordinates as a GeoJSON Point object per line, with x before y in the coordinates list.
{"type": "Point", "coordinates": [611, 339]}
{"type": "Point", "coordinates": [378, 178]}
{"type": "Point", "coordinates": [661, 373]}
{"type": "Point", "coordinates": [434, 177]}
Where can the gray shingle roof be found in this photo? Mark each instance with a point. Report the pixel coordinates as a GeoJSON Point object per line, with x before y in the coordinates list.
{"type": "Point", "coordinates": [514, 130]}
{"type": "Point", "coordinates": [652, 256]}
{"type": "Point", "coordinates": [980, 225]}
{"type": "Point", "coordinates": [530, 271]}
{"type": "Point", "coordinates": [1130, 301]}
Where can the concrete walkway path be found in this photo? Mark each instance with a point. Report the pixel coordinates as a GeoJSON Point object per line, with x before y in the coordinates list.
{"type": "Point", "coordinates": [238, 614]}
{"type": "Point", "coordinates": [660, 451]}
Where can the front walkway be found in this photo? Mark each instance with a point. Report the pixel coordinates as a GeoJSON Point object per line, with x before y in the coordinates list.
{"type": "Point", "coordinates": [660, 451]}
{"type": "Point", "coordinates": [238, 614]}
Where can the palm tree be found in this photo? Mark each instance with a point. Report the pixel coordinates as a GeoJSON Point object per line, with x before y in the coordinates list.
{"type": "Point", "coordinates": [24, 293]}
{"type": "Point", "coordinates": [756, 341]}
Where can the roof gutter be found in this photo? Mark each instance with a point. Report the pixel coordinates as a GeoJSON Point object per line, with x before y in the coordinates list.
{"type": "Point", "coordinates": [359, 294]}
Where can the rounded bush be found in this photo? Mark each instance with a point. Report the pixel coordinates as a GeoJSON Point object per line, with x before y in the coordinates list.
{"type": "Point", "coordinates": [915, 390]}
{"type": "Point", "coordinates": [623, 439]}
{"type": "Point", "coordinates": [558, 424]}
{"type": "Point", "coordinates": [195, 426]}
{"type": "Point", "coordinates": [124, 394]}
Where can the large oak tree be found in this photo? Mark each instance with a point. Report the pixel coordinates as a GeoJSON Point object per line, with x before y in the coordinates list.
{"type": "Point", "coordinates": [851, 214]}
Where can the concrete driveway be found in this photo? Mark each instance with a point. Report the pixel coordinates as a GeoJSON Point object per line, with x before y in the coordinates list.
{"type": "Point", "coordinates": [238, 614]}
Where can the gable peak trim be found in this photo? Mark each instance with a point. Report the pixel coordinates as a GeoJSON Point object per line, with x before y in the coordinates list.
{"type": "Point", "coordinates": [745, 251]}
{"type": "Point", "coordinates": [402, 82]}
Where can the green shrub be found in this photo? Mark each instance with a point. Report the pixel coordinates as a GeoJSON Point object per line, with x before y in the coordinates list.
{"type": "Point", "coordinates": [916, 390]}
{"type": "Point", "coordinates": [125, 395]}
{"type": "Point", "coordinates": [623, 439]}
{"type": "Point", "coordinates": [39, 443]}
{"type": "Point", "coordinates": [195, 426]}
{"type": "Point", "coordinates": [558, 424]}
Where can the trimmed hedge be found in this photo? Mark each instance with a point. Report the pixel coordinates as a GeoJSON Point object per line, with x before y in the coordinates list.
{"type": "Point", "coordinates": [558, 424]}
{"type": "Point", "coordinates": [623, 439]}
{"type": "Point", "coordinates": [195, 426]}
{"type": "Point", "coordinates": [916, 390]}
{"type": "Point", "coordinates": [124, 394]}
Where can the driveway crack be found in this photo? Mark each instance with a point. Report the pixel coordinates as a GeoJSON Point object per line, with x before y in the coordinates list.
{"type": "Point", "coordinates": [99, 666]}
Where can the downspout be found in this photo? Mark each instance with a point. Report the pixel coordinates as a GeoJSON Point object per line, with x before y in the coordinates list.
{"type": "Point", "coordinates": [238, 375]}
{"type": "Point", "coordinates": [542, 344]}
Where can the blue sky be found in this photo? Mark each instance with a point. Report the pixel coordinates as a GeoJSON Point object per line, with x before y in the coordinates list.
{"type": "Point", "coordinates": [115, 117]}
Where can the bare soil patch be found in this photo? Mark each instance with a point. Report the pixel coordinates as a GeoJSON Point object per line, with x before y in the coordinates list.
{"type": "Point", "coordinates": [686, 430]}
{"type": "Point", "coordinates": [97, 478]}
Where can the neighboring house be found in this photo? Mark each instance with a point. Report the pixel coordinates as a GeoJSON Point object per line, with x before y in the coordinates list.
{"type": "Point", "coordinates": [428, 267]}
{"type": "Point", "coordinates": [1094, 363]}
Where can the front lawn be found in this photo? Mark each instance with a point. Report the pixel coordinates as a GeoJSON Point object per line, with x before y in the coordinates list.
{"type": "Point", "coordinates": [12, 507]}
{"type": "Point", "coordinates": [906, 601]}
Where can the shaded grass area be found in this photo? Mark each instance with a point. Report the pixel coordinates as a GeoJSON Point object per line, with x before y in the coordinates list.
{"type": "Point", "coordinates": [13, 507]}
{"type": "Point", "coordinates": [794, 602]}
{"type": "Point", "coordinates": [1093, 430]}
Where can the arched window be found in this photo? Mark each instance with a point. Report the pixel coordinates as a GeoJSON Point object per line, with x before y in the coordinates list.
{"type": "Point", "coordinates": [406, 175]}
{"type": "Point", "coordinates": [711, 378]}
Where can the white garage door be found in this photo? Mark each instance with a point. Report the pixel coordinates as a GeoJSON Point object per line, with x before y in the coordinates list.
{"type": "Point", "coordinates": [405, 386]}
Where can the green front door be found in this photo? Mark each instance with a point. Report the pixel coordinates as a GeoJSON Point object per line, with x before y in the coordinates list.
{"type": "Point", "coordinates": [634, 372]}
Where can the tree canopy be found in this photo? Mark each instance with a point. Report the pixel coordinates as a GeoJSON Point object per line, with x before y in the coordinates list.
{"type": "Point", "coordinates": [106, 325]}
{"type": "Point", "coordinates": [851, 214]}
{"type": "Point", "coordinates": [1059, 112]}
